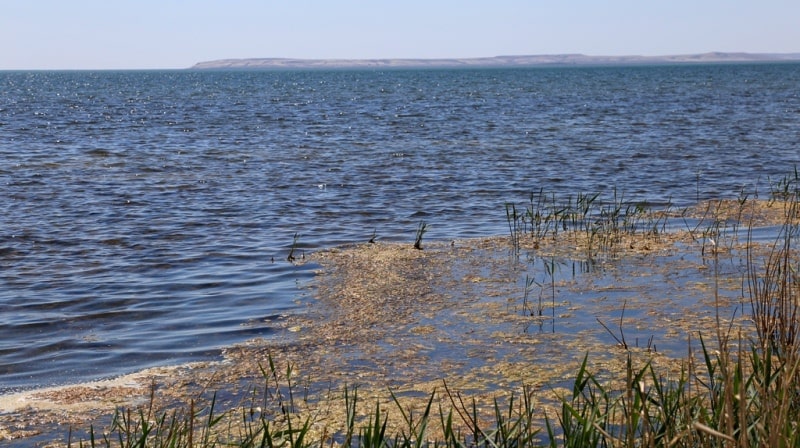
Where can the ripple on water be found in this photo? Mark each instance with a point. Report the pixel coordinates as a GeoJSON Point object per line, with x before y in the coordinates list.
{"type": "Point", "coordinates": [147, 216]}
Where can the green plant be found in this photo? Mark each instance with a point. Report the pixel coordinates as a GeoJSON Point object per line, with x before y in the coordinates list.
{"type": "Point", "coordinates": [526, 308]}
{"type": "Point", "coordinates": [621, 342]}
{"type": "Point", "coordinates": [415, 433]}
{"type": "Point", "coordinates": [514, 222]}
{"type": "Point", "coordinates": [787, 188]}
{"type": "Point", "coordinates": [421, 229]}
{"type": "Point", "coordinates": [539, 215]}
{"type": "Point", "coordinates": [291, 256]}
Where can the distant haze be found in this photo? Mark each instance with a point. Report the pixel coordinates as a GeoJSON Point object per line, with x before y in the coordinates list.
{"type": "Point", "coordinates": [497, 61]}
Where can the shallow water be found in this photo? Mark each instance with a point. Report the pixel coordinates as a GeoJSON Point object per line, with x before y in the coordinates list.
{"type": "Point", "coordinates": [147, 216]}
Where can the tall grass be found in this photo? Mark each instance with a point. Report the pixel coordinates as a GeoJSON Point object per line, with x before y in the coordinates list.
{"type": "Point", "coordinates": [741, 391]}
{"type": "Point", "coordinates": [603, 221]}
{"type": "Point", "coordinates": [774, 289]}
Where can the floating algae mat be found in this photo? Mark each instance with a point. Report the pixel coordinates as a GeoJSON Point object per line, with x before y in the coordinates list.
{"type": "Point", "coordinates": [488, 315]}
{"type": "Point", "coordinates": [481, 314]}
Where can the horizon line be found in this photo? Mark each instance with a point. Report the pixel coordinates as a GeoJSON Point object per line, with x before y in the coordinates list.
{"type": "Point", "coordinates": [500, 60]}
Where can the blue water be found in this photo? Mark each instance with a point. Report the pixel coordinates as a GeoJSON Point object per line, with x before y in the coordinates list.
{"type": "Point", "coordinates": [146, 216]}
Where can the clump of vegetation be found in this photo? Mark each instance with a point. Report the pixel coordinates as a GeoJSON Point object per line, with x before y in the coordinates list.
{"type": "Point", "coordinates": [786, 188]}
{"type": "Point", "coordinates": [603, 222]}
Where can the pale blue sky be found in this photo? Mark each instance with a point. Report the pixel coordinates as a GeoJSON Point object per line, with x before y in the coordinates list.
{"type": "Point", "coordinates": [117, 34]}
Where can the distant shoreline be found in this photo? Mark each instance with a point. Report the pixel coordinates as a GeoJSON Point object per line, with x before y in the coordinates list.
{"type": "Point", "coordinates": [496, 61]}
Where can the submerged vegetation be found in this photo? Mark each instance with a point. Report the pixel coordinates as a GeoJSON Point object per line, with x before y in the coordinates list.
{"type": "Point", "coordinates": [737, 386]}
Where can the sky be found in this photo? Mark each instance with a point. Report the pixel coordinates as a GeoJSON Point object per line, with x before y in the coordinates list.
{"type": "Point", "coordinates": [166, 34]}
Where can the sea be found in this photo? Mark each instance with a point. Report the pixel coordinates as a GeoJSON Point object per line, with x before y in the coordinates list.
{"type": "Point", "coordinates": [147, 217]}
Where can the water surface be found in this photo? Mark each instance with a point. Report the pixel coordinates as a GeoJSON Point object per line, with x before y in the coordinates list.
{"type": "Point", "coordinates": [147, 215]}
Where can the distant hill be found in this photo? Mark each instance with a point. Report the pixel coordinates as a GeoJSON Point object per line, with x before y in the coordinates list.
{"type": "Point", "coordinates": [496, 61]}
